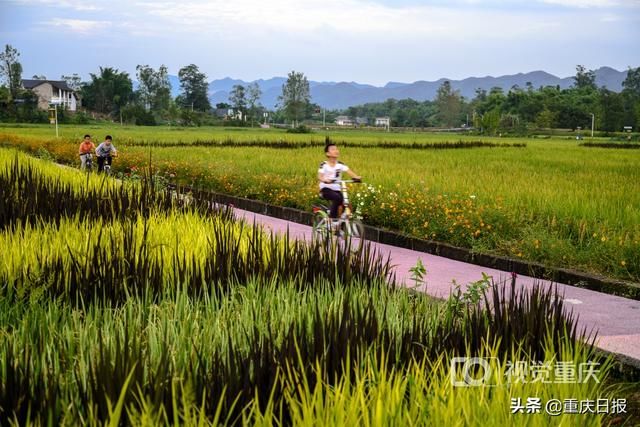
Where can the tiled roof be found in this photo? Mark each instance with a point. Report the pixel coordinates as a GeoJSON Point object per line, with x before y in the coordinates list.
{"type": "Point", "coordinates": [58, 84]}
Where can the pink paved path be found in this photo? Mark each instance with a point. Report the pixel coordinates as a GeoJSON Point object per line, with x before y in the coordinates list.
{"type": "Point", "coordinates": [616, 319]}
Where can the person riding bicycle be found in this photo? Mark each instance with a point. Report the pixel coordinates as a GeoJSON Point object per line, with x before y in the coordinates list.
{"type": "Point", "coordinates": [105, 153]}
{"type": "Point", "coordinates": [330, 171]}
{"type": "Point", "coordinates": [85, 151]}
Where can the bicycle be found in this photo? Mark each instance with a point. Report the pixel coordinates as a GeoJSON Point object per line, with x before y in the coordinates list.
{"type": "Point", "coordinates": [88, 161]}
{"type": "Point", "coordinates": [348, 228]}
{"type": "Point", "coordinates": [106, 166]}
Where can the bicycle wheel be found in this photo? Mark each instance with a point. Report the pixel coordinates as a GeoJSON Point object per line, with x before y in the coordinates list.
{"type": "Point", "coordinates": [321, 227]}
{"type": "Point", "coordinates": [354, 232]}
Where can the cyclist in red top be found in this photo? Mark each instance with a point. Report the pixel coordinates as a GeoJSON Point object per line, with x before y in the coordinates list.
{"type": "Point", "coordinates": [85, 150]}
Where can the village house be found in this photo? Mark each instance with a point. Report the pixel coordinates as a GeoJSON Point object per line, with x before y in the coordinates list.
{"type": "Point", "coordinates": [53, 92]}
{"type": "Point", "coordinates": [344, 121]}
{"type": "Point", "coordinates": [383, 121]}
{"type": "Point", "coordinates": [348, 121]}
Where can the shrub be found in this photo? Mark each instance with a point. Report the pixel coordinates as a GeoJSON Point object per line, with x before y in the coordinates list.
{"type": "Point", "coordinates": [299, 129]}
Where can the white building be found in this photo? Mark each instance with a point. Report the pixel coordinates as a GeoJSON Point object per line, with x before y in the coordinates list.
{"type": "Point", "coordinates": [383, 121]}
{"type": "Point", "coordinates": [344, 121]}
{"type": "Point", "coordinates": [53, 92]}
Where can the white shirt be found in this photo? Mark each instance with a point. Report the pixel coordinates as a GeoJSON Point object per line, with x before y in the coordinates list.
{"type": "Point", "coordinates": [105, 150]}
{"type": "Point", "coordinates": [329, 172]}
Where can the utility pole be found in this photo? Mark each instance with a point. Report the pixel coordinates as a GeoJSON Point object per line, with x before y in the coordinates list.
{"type": "Point", "coordinates": [593, 119]}
{"type": "Point", "coordinates": [324, 113]}
{"type": "Point", "coordinates": [53, 118]}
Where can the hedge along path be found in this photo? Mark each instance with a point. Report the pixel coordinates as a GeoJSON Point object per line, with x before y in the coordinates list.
{"type": "Point", "coordinates": [229, 142]}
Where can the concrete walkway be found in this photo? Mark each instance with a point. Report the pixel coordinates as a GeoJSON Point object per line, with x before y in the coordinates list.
{"type": "Point", "coordinates": [615, 319]}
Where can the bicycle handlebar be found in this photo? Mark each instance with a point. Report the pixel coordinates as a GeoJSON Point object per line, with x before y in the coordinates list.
{"type": "Point", "coordinates": [347, 181]}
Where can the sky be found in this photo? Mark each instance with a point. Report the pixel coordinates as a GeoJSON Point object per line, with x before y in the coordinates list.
{"type": "Point", "coordinates": [370, 42]}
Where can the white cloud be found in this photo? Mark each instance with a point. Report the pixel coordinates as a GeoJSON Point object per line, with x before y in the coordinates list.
{"type": "Point", "coordinates": [79, 5]}
{"type": "Point", "coordinates": [343, 39]}
{"type": "Point", "coordinates": [609, 17]}
{"type": "Point", "coordinates": [593, 3]}
{"type": "Point", "coordinates": [357, 18]}
{"type": "Point", "coordinates": [353, 20]}
{"type": "Point", "coordinates": [78, 26]}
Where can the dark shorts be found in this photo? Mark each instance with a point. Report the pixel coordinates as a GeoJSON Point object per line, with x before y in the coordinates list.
{"type": "Point", "coordinates": [336, 200]}
{"type": "Point", "coordinates": [102, 161]}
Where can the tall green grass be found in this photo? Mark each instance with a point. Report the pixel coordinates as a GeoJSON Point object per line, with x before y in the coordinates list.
{"type": "Point", "coordinates": [273, 354]}
{"type": "Point", "coordinates": [89, 260]}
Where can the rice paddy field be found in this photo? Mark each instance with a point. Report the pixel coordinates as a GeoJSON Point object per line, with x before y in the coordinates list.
{"type": "Point", "coordinates": [120, 305]}
{"type": "Point", "coordinates": [547, 200]}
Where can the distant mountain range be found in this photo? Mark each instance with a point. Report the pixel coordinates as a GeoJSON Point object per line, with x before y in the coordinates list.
{"type": "Point", "coordinates": [340, 95]}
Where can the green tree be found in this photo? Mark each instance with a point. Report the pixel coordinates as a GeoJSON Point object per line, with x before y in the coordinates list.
{"type": "Point", "coordinates": [495, 100]}
{"type": "Point", "coordinates": [108, 92]}
{"type": "Point", "coordinates": [146, 85]}
{"type": "Point", "coordinates": [525, 104]}
{"type": "Point", "coordinates": [353, 113]}
{"type": "Point", "coordinates": [449, 103]}
{"type": "Point", "coordinates": [509, 122]}
{"type": "Point", "coordinates": [631, 84]}
{"type": "Point", "coordinates": [11, 69]}
{"type": "Point", "coordinates": [574, 107]}
{"type": "Point", "coordinates": [27, 110]}
{"type": "Point", "coordinates": [546, 119]}
{"type": "Point", "coordinates": [414, 119]}
{"type": "Point", "coordinates": [490, 121]}
{"type": "Point", "coordinates": [631, 94]}
{"type": "Point", "coordinates": [238, 99]}
{"type": "Point", "coordinates": [481, 95]}
{"type": "Point", "coordinates": [399, 117]}
{"type": "Point", "coordinates": [295, 97]}
{"type": "Point", "coordinates": [612, 112]}
{"type": "Point", "coordinates": [138, 115]}
{"type": "Point", "coordinates": [194, 88]}
{"type": "Point", "coordinates": [73, 81]}
{"type": "Point", "coordinates": [253, 100]}
{"type": "Point", "coordinates": [154, 91]}
{"type": "Point", "coordinates": [162, 101]}
{"type": "Point", "coordinates": [584, 79]}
